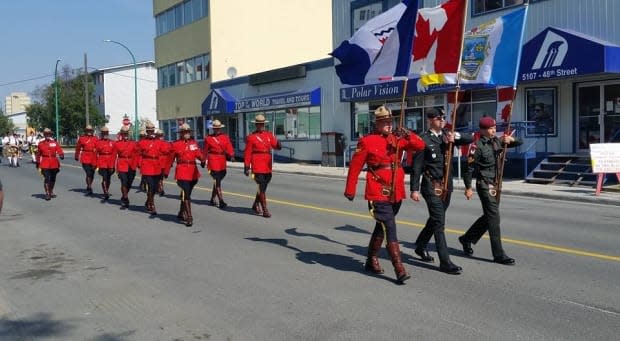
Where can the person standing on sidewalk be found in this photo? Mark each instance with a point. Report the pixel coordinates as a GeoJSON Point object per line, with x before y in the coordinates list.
{"type": "Point", "coordinates": [125, 151]}
{"type": "Point", "coordinates": [483, 165]}
{"type": "Point", "coordinates": [218, 149]}
{"type": "Point", "coordinates": [429, 165]}
{"type": "Point", "coordinates": [106, 161]}
{"type": "Point", "coordinates": [85, 154]}
{"type": "Point", "coordinates": [47, 162]}
{"type": "Point", "coordinates": [186, 151]}
{"type": "Point", "coordinates": [379, 150]}
{"type": "Point", "coordinates": [257, 157]}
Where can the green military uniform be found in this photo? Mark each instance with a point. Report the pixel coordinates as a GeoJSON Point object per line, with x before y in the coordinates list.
{"type": "Point", "coordinates": [483, 166]}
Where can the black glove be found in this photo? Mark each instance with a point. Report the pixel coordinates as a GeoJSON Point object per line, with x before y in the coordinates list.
{"type": "Point", "coordinates": [62, 157]}
{"type": "Point", "coordinates": [37, 164]}
{"type": "Point", "coordinates": [350, 197]}
{"type": "Point", "coordinates": [202, 164]}
{"type": "Point", "coordinates": [230, 158]}
{"type": "Point", "coordinates": [246, 170]}
{"type": "Point", "coordinates": [76, 158]}
{"type": "Point", "coordinates": [401, 132]}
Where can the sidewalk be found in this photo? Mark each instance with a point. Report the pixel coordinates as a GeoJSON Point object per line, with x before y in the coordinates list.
{"type": "Point", "coordinates": [510, 187]}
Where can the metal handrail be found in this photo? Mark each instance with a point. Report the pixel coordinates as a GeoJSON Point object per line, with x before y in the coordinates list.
{"type": "Point", "coordinates": [291, 151]}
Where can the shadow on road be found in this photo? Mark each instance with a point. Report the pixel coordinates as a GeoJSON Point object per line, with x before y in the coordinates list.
{"type": "Point", "coordinates": [40, 325]}
{"type": "Point", "coordinates": [115, 337]}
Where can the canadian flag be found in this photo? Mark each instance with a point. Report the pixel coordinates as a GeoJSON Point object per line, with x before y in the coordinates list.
{"type": "Point", "coordinates": [438, 43]}
{"type": "Point", "coordinates": [504, 100]}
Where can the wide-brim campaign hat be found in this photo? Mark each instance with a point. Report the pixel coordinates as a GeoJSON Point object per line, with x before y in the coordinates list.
{"type": "Point", "coordinates": [260, 118]}
{"type": "Point", "coordinates": [382, 113]}
{"type": "Point", "coordinates": [142, 133]}
{"type": "Point", "coordinates": [105, 129]}
{"type": "Point", "coordinates": [88, 127]}
{"type": "Point", "coordinates": [124, 130]}
{"type": "Point", "coordinates": [47, 131]}
{"type": "Point", "coordinates": [185, 127]}
{"type": "Point", "coordinates": [217, 124]}
{"type": "Point", "coordinates": [149, 125]}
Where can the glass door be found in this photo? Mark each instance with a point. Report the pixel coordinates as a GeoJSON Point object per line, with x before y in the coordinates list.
{"type": "Point", "coordinates": [611, 121]}
{"type": "Point", "coordinates": [589, 114]}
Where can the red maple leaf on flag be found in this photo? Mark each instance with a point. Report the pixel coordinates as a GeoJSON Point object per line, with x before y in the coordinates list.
{"type": "Point", "coordinates": [506, 112]}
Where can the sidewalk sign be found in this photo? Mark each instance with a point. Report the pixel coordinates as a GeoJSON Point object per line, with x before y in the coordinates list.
{"type": "Point", "coordinates": [605, 159]}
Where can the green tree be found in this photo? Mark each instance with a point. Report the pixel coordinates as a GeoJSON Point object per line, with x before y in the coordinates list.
{"type": "Point", "coordinates": [72, 110]}
{"type": "Point", "coordinates": [5, 124]}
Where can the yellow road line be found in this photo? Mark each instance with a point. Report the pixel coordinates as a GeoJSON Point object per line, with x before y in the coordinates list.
{"type": "Point", "coordinates": [540, 246]}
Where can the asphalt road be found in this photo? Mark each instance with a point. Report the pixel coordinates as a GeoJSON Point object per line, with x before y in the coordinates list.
{"type": "Point", "coordinates": [75, 268]}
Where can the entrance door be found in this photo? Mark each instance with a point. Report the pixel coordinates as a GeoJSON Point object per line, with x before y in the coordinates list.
{"type": "Point", "coordinates": [599, 114]}
{"type": "Point", "coordinates": [611, 119]}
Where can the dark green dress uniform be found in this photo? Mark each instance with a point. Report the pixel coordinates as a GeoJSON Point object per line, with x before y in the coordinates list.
{"type": "Point", "coordinates": [429, 165]}
{"type": "Point", "coordinates": [483, 166]}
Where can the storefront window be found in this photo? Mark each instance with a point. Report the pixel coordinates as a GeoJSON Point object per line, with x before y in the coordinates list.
{"type": "Point", "coordinates": [165, 127]}
{"type": "Point", "coordinates": [291, 124]}
{"type": "Point", "coordinates": [199, 134]}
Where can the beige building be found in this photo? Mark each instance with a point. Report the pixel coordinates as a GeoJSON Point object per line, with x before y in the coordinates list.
{"type": "Point", "coordinates": [202, 41]}
{"type": "Point", "coordinates": [16, 102]}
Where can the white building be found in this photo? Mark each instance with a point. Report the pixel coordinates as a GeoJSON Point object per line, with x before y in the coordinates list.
{"type": "Point", "coordinates": [20, 121]}
{"type": "Point", "coordinates": [114, 93]}
{"type": "Point", "coordinates": [16, 102]}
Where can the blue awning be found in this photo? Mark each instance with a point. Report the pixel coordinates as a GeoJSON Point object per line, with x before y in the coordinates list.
{"type": "Point", "coordinates": [559, 53]}
{"type": "Point", "coordinates": [219, 101]}
{"type": "Point", "coordinates": [291, 99]}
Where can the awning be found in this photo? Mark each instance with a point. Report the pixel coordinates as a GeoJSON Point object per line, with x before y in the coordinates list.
{"type": "Point", "coordinates": [559, 53]}
{"type": "Point", "coordinates": [291, 99]}
{"type": "Point", "coordinates": [219, 101]}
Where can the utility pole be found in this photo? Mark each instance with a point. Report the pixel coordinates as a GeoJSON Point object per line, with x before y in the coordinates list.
{"type": "Point", "coordinates": [86, 89]}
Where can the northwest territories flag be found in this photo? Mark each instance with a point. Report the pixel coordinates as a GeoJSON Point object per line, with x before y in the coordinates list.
{"type": "Point", "coordinates": [381, 47]}
{"type": "Point", "coordinates": [491, 51]}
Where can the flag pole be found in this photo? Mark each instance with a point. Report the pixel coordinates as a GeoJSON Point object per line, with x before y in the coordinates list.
{"type": "Point", "coordinates": [450, 149]}
{"type": "Point", "coordinates": [501, 161]}
{"type": "Point", "coordinates": [396, 160]}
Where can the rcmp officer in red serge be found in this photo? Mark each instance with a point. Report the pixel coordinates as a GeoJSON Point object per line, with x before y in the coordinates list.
{"type": "Point", "coordinates": [85, 153]}
{"type": "Point", "coordinates": [106, 160]}
{"type": "Point", "coordinates": [429, 165]}
{"type": "Point", "coordinates": [483, 165]}
{"type": "Point", "coordinates": [257, 157]}
{"type": "Point", "coordinates": [186, 151]}
{"type": "Point", "coordinates": [218, 149]}
{"type": "Point", "coordinates": [47, 161]}
{"type": "Point", "coordinates": [126, 151]}
{"type": "Point", "coordinates": [150, 150]}
{"type": "Point", "coordinates": [378, 151]}
{"type": "Point", "coordinates": [165, 160]}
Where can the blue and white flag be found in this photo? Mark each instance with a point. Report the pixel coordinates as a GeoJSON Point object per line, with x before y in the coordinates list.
{"type": "Point", "coordinates": [383, 46]}
{"type": "Point", "coordinates": [491, 51]}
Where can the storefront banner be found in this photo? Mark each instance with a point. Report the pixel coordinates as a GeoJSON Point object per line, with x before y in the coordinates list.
{"type": "Point", "coordinates": [394, 89]}
{"type": "Point", "coordinates": [219, 101]}
{"type": "Point", "coordinates": [294, 99]}
{"type": "Point", "coordinates": [558, 53]}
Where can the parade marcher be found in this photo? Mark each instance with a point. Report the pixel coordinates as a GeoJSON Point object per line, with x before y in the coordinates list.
{"type": "Point", "coordinates": [165, 160]}
{"type": "Point", "coordinates": [218, 149]}
{"type": "Point", "coordinates": [186, 151]}
{"type": "Point", "coordinates": [150, 150]}
{"type": "Point", "coordinates": [482, 164]}
{"type": "Point", "coordinates": [126, 151]}
{"type": "Point", "coordinates": [141, 136]}
{"type": "Point", "coordinates": [12, 143]}
{"type": "Point", "coordinates": [106, 160]}
{"type": "Point", "coordinates": [32, 140]}
{"type": "Point", "coordinates": [429, 165]}
{"type": "Point", "coordinates": [85, 153]}
{"type": "Point", "coordinates": [381, 151]}
{"type": "Point", "coordinates": [257, 158]}
{"type": "Point", "coordinates": [48, 163]}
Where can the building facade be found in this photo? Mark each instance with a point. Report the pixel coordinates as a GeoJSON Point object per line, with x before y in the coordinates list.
{"type": "Point", "coordinates": [115, 93]}
{"type": "Point", "coordinates": [203, 41]}
{"type": "Point", "coordinates": [16, 102]}
{"type": "Point", "coordinates": [561, 106]}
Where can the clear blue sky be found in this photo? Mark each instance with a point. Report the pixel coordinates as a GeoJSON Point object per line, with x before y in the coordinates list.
{"type": "Point", "coordinates": [37, 32]}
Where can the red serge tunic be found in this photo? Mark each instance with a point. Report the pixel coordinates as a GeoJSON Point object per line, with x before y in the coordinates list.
{"type": "Point", "coordinates": [165, 158]}
{"type": "Point", "coordinates": [149, 150]}
{"type": "Point", "coordinates": [85, 148]}
{"type": "Point", "coordinates": [106, 156]}
{"type": "Point", "coordinates": [217, 149]}
{"type": "Point", "coordinates": [186, 152]}
{"type": "Point", "coordinates": [46, 154]}
{"type": "Point", "coordinates": [378, 152]}
{"type": "Point", "coordinates": [257, 152]}
{"type": "Point", "coordinates": [126, 152]}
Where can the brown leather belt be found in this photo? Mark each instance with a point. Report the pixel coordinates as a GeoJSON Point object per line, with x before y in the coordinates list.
{"type": "Point", "coordinates": [261, 152]}
{"type": "Point", "coordinates": [381, 166]}
{"type": "Point", "coordinates": [151, 158]}
{"type": "Point", "coordinates": [105, 153]}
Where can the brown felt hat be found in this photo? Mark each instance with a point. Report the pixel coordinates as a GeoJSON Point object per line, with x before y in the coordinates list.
{"type": "Point", "coordinates": [382, 113]}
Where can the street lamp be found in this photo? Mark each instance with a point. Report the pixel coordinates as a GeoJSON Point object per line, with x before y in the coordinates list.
{"type": "Point", "coordinates": [56, 97]}
{"type": "Point", "coordinates": [135, 86]}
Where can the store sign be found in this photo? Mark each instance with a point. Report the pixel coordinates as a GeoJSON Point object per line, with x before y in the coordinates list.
{"type": "Point", "coordinates": [556, 53]}
{"type": "Point", "coordinates": [279, 101]}
{"type": "Point", "coordinates": [372, 91]}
